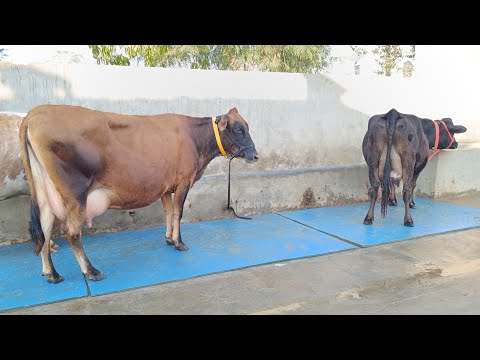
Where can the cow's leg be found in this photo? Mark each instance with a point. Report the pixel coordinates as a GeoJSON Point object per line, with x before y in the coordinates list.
{"type": "Point", "coordinates": [46, 220]}
{"type": "Point", "coordinates": [414, 183]}
{"type": "Point", "coordinates": [74, 222]}
{"type": "Point", "coordinates": [168, 210]}
{"type": "Point", "coordinates": [67, 190]}
{"type": "Point", "coordinates": [75, 215]}
{"type": "Point", "coordinates": [178, 201]}
{"type": "Point", "coordinates": [375, 185]}
{"type": "Point", "coordinates": [419, 166]}
{"type": "Point", "coordinates": [53, 246]}
{"type": "Point", "coordinates": [407, 189]}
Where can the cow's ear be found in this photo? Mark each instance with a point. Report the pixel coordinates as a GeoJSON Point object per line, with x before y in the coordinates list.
{"type": "Point", "coordinates": [457, 129]}
{"type": "Point", "coordinates": [233, 110]}
{"type": "Point", "coordinates": [222, 124]}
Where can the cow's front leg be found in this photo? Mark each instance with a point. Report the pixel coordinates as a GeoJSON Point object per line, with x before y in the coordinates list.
{"type": "Point", "coordinates": [168, 210]}
{"type": "Point", "coordinates": [178, 202]}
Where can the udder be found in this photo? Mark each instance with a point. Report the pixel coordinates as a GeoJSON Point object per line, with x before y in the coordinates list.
{"type": "Point", "coordinates": [98, 201]}
{"type": "Point", "coordinates": [396, 172]}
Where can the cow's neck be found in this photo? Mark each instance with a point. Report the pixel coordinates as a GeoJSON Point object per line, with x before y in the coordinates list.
{"type": "Point", "coordinates": [204, 139]}
{"type": "Point", "coordinates": [429, 131]}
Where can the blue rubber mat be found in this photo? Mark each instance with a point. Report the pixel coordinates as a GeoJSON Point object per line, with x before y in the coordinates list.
{"type": "Point", "coordinates": [346, 222]}
{"type": "Point", "coordinates": [22, 283]}
{"type": "Point", "coordinates": [140, 258]}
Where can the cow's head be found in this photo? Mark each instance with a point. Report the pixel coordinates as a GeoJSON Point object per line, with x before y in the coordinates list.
{"type": "Point", "coordinates": [445, 138]}
{"type": "Point", "coordinates": [236, 137]}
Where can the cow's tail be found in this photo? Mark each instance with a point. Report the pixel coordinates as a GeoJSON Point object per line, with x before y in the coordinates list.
{"type": "Point", "coordinates": [36, 232]}
{"type": "Point", "coordinates": [392, 116]}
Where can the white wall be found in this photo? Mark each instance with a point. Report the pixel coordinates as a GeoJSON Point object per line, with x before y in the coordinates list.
{"type": "Point", "coordinates": [296, 120]}
{"type": "Point", "coordinates": [308, 129]}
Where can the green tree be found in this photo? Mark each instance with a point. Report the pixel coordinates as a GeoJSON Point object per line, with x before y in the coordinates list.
{"type": "Point", "coordinates": [2, 53]}
{"type": "Point", "coordinates": [387, 56]}
{"type": "Point", "coordinates": [284, 58]}
{"type": "Point", "coordinates": [359, 50]}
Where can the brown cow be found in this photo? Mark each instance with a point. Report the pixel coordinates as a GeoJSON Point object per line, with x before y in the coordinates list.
{"type": "Point", "coordinates": [81, 162]}
{"type": "Point", "coordinates": [396, 149]}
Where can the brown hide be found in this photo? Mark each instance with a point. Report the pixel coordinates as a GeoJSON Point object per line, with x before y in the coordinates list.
{"type": "Point", "coordinates": [80, 162]}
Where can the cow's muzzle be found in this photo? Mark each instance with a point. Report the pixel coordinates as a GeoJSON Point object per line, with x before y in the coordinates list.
{"type": "Point", "coordinates": [251, 157]}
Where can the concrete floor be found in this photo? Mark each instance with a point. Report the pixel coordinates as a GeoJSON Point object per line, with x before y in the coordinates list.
{"type": "Point", "coordinates": [430, 275]}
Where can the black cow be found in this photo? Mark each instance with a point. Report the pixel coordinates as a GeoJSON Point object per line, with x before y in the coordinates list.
{"type": "Point", "coordinates": [398, 145]}
{"type": "Point", "coordinates": [446, 133]}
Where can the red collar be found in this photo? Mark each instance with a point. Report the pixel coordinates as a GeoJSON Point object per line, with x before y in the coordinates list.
{"type": "Point", "coordinates": [436, 150]}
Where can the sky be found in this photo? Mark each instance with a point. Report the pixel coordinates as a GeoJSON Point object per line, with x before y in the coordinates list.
{"type": "Point", "coordinates": [27, 54]}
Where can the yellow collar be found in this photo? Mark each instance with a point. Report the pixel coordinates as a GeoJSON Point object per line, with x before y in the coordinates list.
{"type": "Point", "coordinates": [217, 137]}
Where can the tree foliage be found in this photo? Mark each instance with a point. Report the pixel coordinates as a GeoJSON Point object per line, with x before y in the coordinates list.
{"type": "Point", "coordinates": [387, 56]}
{"type": "Point", "coordinates": [282, 58]}
{"type": "Point", "coordinates": [2, 53]}
{"type": "Point", "coordinates": [360, 51]}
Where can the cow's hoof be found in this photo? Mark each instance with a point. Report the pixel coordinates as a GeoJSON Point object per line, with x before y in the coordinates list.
{"type": "Point", "coordinates": [181, 247]}
{"type": "Point", "coordinates": [412, 206]}
{"type": "Point", "coordinates": [392, 202]}
{"type": "Point", "coordinates": [53, 278]}
{"type": "Point", "coordinates": [96, 275]}
{"type": "Point", "coordinates": [408, 223]}
{"type": "Point", "coordinates": [368, 221]}
{"type": "Point", "coordinates": [169, 241]}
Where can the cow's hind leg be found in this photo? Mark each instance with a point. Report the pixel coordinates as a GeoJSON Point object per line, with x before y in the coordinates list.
{"type": "Point", "coordinates": [67, 188]}
{"type": "Point", "coordinates": [375, 185]}
{"type": "Point", "coordinates": [74, 238]}
{"type": "Point", "coordinates": [407, 189]}
{"type": "Point", "coordinates": [178, 202]}
{"type": "Point", "coordinates": [57, 224]}
{"type": "Point", "coordinates": [168, 210]}
{"type": "Point", "coordinates": [48, 270]}
{"type": "Point", "coordinates": [47, 219]}
{"type": "Point", "coordinates": [414, 183]}
{"type": "Point", "coordinates": [418, 169]}
{"type": "Point", "coordinates": [74, 193]}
